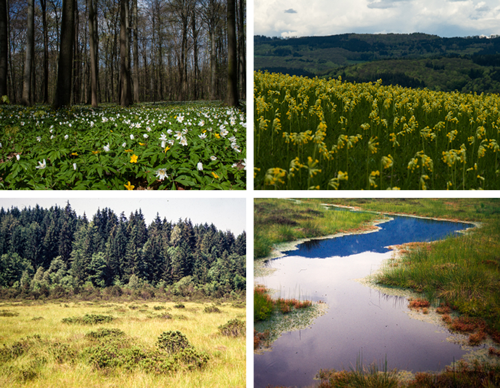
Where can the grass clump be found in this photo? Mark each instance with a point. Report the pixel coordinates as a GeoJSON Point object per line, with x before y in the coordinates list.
{"type": "Point", "coordinates": [211, 309]}
{"type": "Point", "coordinates": [105, 332]}
{"type": "Point", "coordinates": [89, 319]}
{"type": "Point", "coordinates": [362, 376]}
{"type": "Point", "coordinates": [159, 308]}
{"type": "Point", "coordinates": [233, 328]}
{"type": "Point", "coordinates": [179, 306]}
{"type": "Point", "coordinates": [7, 313]}
{"type": "Point", "coordinates": [264, 305]}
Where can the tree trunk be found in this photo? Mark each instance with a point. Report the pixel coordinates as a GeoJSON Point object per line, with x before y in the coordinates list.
{"type": "Point", "coordinates": [65, 70]}
{"type": "Point", "coordinates": [43, 4]}
{"type": "Point", "coordinates": [125, 96]}
{"type": "Point", "coordinates": [136, 52]}
{"type": "Point", "coordinates": [4, 47]}
{"type": "Point", "coordinates": [242, 48]}
{"type": "Point", "coordinates": [93, 55]}
{"type": "Point", "coordinates": [232, 73]}
{"type": "Point", "coordinates": [30, 49]}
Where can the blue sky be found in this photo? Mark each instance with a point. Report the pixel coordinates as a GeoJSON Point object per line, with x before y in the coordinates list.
{"type": "Point", "coordinates": [225, 213]}
{"type": "Point", "coordinates": [446, 18]}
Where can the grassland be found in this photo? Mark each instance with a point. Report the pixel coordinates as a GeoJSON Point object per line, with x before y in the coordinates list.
{"type": "Point", "coordinates": [39, 350]}
{"type": "Point", "coordinates": [279, 220]}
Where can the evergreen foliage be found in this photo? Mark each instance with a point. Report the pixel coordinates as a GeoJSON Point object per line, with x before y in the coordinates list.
{"type": "Point", "coordinates": [41, 249]}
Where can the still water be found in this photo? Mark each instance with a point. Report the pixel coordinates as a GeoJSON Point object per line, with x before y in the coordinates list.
{"type": "Point", "coordinates": [360, 321]}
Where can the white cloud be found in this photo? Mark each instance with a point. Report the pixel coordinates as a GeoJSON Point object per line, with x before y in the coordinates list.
{"type": "Point", "coordinates": [328, 17]}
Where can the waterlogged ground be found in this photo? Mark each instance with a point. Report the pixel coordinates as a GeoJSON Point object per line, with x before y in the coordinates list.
{"type": "Point", "coordinates": [167, 146]}
{"type": "Point", "coordinates": [361, 323]}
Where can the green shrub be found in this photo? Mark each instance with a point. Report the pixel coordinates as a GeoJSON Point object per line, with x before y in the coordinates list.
{"type": "Point", "coordinates": [179, 306]}
{"type": "Point", "coordinates": [190, 358]}
{"type": "Point", "coordinates": [233, 328]}
{"type": "Point", "coordinates": [211, 309]}
{"type": "Point", "coordinates": [104, 332]}
{"type": "Point", "coordinates": [263, 306]}
{"type": "Point", "coordinates": [89, 319]}
{"type": "Point", "coordinates": [173, 341]}
{"type": "Point", "coordinates": [159, 307]}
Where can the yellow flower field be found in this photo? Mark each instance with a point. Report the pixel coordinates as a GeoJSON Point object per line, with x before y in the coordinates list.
{"type": "Point", "coordinates": [328, 134]}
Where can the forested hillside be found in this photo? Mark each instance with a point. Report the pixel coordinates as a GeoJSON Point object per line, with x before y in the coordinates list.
{"type": "Point", "coordinates": [55, 252]}
{"type": "Point", "coordinates": [466, 64]}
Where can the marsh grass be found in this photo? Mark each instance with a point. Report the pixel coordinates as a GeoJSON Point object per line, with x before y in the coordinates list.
{"type": "Point", "coordinates": [281, 220]}
{"type": "Point", "coordinates": [373, 376]}
{"type": "Point", "coordinates": [453, 271]}
{"type": "Point", "coordinates": [49, 353]}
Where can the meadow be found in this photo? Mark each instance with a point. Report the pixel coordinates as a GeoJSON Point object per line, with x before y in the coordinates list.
{"type": "Point", "coordinates": [144, 147]}
{"type": "Point", "coordinates": [321, 134]}
{"type": "Point", "coordinates": [122, 344]}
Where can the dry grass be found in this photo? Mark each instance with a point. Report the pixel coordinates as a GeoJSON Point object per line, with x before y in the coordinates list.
{"type": "Point", "coordinates": [226, 366]}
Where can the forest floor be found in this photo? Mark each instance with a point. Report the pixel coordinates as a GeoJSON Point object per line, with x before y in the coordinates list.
{"type": "Point", "coordinates": [117, 344]}
{"type": "Point", "coordinates": [179, 146]}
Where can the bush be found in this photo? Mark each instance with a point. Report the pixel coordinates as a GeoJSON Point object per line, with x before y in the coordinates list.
{"type": "Point", "coordinates": [104, 332]}
{"type": "Point", "coordinates": [89, 319]}
{"type": "Point", "coordinates": [233, 328]}
{"type": "Point", "coordinates": [179, 306]}
{"type": "Point", "coordinates": [190, 358]}
{"type": "Point", "coordinates": [211, 309]}
{"type": "Point", "coordinates": [173, 342]}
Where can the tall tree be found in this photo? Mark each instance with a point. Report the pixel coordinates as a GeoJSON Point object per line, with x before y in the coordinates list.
{"type": "Point", "coordinates": [232, 63]}
{"type": "Point", "coordinates": [65, 70]}
{"type": "Point", "coordinates": [4, 47]}
{"type": "Point", "coordinates": [125, 95]}
{"type": "Point", "coordinates": [27, 97]}
{"type": "Point", "coordinates": [43, 4]}
{"type": "Point", "coordinates": [93, 53]}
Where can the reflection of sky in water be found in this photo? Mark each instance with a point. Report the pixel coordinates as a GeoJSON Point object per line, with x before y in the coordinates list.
{"type": "Point", "coordinates": [401, 230]}
{"type": "Point", "coordinates": [360, 320]}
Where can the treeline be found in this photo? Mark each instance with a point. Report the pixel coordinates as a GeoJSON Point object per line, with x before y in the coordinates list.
{"type": "Point", "coordinates": [47, 251]}
{"type": "Point", "coordinates": [90, 51]}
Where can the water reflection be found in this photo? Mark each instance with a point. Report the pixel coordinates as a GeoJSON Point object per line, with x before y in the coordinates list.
{"type": "Point", "coordinates": [360, 319]}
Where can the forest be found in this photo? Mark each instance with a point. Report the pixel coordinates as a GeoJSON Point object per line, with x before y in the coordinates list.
{"type": "Point", "coordinates": [65, 52]}
{"type": "Point", "coordinates": [108, 94]}
{"type": "Point", "coordinates": [465, 64]}
{"type": "Point", "coordinates": [55, 253]}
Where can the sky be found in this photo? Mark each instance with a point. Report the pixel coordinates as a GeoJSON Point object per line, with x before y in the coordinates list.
{"type": "Point", "coordinates": [225, 214]}
{"type": "Point", "coordinates": [445, 18]}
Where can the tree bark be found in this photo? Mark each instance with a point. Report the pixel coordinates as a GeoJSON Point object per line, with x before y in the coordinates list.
{"type": "Point", "coordinates": [242, 48]}
{"type": "Point", "coordinates": [125, 95]}
{"type": "Point", "coordinates": [93, 55]}
{"type": "Point", "coordinates": [232, 64]}
{"type": "Point", "coordinates": [43, 4]}
{"type": "Point", "coordinates": [4, 47]}
{"type": "Point", "coordinates": [65, 68]}
{"type": "Point", "coordinates": [30, 49]}
{"type": "Point", "coordinates": [136, 52]}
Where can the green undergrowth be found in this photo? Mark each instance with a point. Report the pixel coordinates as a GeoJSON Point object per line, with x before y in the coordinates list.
{"type": "Point", "coordinates": [280, 220]}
